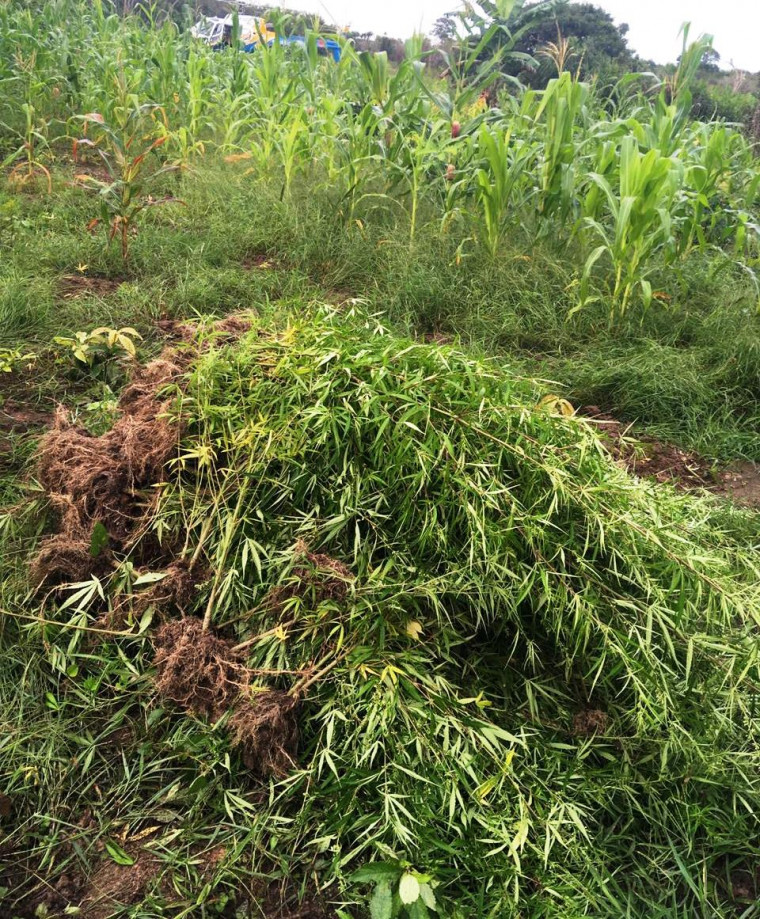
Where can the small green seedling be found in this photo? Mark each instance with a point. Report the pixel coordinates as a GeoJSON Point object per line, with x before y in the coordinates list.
{"type": "Point", "coordinates": [12, 358]}
{"type": "Point", "coordinates": [102, 351]}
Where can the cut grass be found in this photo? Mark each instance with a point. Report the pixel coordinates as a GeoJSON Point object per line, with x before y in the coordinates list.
{"type": "Point", "coordinates": [519, 612]}
{"type": "Point", "coordinates": [529, 548]}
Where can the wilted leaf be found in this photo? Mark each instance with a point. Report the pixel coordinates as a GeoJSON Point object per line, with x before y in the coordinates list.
{"type": "Point", "coordinates": [414, 629]}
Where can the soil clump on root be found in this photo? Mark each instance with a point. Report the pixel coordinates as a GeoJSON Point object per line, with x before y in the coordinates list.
{"type": "Point", "coordinates": [98, 480]}
{"type": "Point", "coordinates": [316, 575]}
{"type": "Point", "coordinates": [206, 676]}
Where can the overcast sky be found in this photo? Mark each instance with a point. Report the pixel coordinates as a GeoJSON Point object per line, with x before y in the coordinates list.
{"type": "Point", "coordinates": [654, 23]}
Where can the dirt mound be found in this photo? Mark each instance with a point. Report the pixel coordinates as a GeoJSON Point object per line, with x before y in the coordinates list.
{"type": "Point", "coordinates": [112, 885]}
{"type": "Point", "coordinates": [206, 676]}
{"type": "Point", "coordinates": [648, 457]}
{"type": "Point", "coordinates": [741, 484]}
{"type": "Point", "coordinates": [95, 481]}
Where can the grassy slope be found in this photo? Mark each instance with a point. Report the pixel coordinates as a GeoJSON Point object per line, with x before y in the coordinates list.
{"type": "Point", "coordinates": [692, 372]}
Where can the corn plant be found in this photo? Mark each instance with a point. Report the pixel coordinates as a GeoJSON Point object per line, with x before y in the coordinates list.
{"type": "Point", "coordinates": [560, 107]}
{"type": "Point", "coordinates": [500, 193]}
{"type": "Point", "coordinates": [25, 160]}
{"type": "Point", "coordinates": [639, 224]}
{"type": "Point", "coordinates": [125, 151]}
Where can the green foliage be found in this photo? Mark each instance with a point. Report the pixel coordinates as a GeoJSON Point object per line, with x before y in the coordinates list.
{"type": "Point", "coordinates": [125, 150]}
{"type": "Point", "coordinates": [541, 676]}
{"type": "Point", "coordinates": [357, 443]}
{"type": "Point", "coordinates": [101, 351]}
{"type": "Point", "coordinates": [12, 358]}
{"type": "Point", "coordinates": [399, 891]}
{"type": "Point", "coordinates": [397, 141]}
{"type": "Point", "coordinates": [599, 49]}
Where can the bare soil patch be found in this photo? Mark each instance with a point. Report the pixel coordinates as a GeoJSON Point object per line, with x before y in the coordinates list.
{"type": "Point", "coordinates": [73, 286]}
{"type": "Point", "coordinates": [258, 260]}
{"type": "Point", "coordinates": [646, 456]}
{"type": "Point", "coordinates": [14, 417]}
{"type": "Point", "coordinates": [741, 484]}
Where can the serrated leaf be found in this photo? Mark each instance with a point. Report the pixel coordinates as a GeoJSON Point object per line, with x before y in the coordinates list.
{"type": "Point", "coordinates": [374, 872]}
{"type": "Point", "coordinates": [409, 889]}
{"type": "Point", "coordinates": [427, 896]}
{"type": "Point", "coordinates": [381, 904]}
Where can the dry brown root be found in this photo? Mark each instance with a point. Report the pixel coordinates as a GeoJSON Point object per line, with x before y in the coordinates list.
{"type": "Point", "coordinates": [177, 589]}
{"type": "Point", "coordinates": [206, 676]}
{"type": "Point", "coordinates": [265, 729]}
{"type": "Point", "coordinates": [590, 721]}
{"type": "Point", "coordinates": [107, 479]}
{"type": "Point", "coordinates": [197, 670]}
{"type": "Point", "coordinates": [321, 578]}
{"type": "Point", "coordinates": [234, 326]}
{"type": "Point", "coordinates": [64, 557]}
{"type": "Point", "coordinates": [98, 479]}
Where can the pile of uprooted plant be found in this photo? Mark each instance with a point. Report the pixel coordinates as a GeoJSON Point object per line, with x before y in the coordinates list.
{"type": "Point", "coordinates": [375, 603]}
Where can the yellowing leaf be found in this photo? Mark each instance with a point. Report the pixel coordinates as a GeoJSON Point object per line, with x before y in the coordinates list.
{"type": "Point", "coordinates": [485, 789]}
{"type": "Point", "coordinates": [414, 629]}
{"type": "Point", "coordinates": [409, 889]}
{"type": "Point", "coordinates": [556, 405]}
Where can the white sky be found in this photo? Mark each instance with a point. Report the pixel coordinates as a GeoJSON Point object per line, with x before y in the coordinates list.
{"type": "Point", "coordinates": [654, 23]}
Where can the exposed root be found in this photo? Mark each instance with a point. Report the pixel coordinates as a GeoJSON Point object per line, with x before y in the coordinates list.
{"type": "Point", "coordinates": [206, 676]}
{"type": "Point", "coordinates": [321, 578]}
{"type": "Point", "coordinates": [98, 479]}
{"type": "Point", "coordinates": [176, 589]}
{"type": "Point", "coordinates": [234, 326]}
{"type": "Point", "coordinates": [590, 721]}
{"type": "Point", "coordinates": [197, 670]}
{"type": "Point", "coordinates": [265, 729]}
{"type": "Point", "coordinates": [66, 557]}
